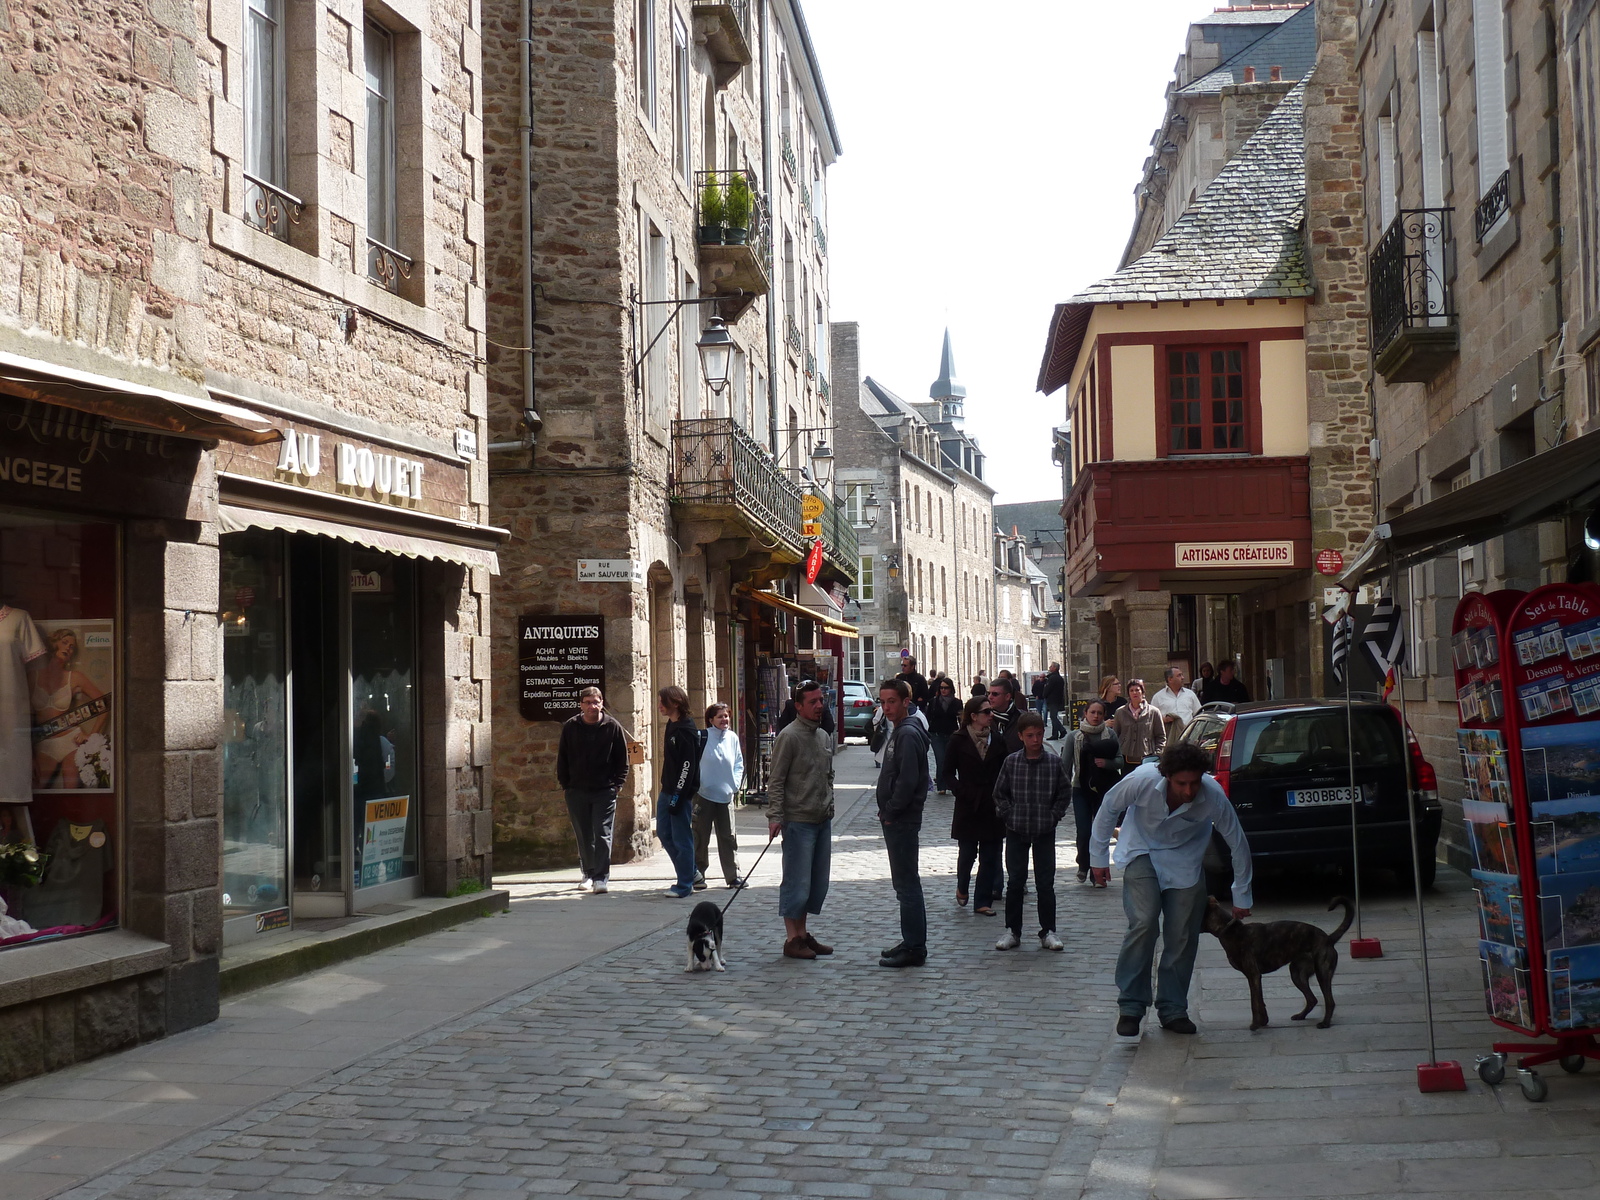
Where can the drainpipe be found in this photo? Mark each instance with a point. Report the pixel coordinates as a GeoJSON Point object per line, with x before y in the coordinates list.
{"type": "Point", "coordinates": [530, 412]}
{"type": "Point", "coordinates": [767, 160]}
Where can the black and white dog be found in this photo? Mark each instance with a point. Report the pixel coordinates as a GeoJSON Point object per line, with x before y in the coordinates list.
{"type": "Point", "coordinates": [705, 938]}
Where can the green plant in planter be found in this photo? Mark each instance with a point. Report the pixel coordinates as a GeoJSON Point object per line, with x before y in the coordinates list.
{"type": "Point", "coordinates": [22, 864]}
{"type": "Point", "coordinates": [713, 212]}
{"type": "Point", "coordinates": [739, 209]}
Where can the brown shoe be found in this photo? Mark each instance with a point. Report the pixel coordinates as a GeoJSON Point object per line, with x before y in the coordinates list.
{"type": "Point", "coordinates": [797, 948]}
{"type": "Point", "coordinates": [816, 946]}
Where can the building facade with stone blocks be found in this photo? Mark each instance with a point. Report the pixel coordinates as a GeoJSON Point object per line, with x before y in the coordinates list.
{"type": "Point", "coordinates": [1021, 625]}
{"type": "Point", "coordinates": [1480, 228]}
{"type": "Point", "coordinates": [1071, 635]}
{"type": "Point", "coordinates": [1219, 440]}
{"type": "Point", "coordinates": [914, 481]}
{"type": "Point", "coordinates": [243, 526]}
{"type": "Point", "coordinates": [656, 166]}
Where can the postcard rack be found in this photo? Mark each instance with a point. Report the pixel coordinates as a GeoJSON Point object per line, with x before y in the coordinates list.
{"type": "Point", "coordinates": [1527, 676]}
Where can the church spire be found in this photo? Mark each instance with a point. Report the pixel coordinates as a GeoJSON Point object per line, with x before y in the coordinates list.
{"type": "Point", "coordinates": [946, 389]}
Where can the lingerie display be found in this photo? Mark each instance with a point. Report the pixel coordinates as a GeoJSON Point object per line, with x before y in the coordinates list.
{"type": "Point", "coordinates": [20, 646]}
{"type": "Point", "coordinates": [72, 891]}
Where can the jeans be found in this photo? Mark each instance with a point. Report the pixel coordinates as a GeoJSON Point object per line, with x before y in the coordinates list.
{"type": "Point", "coordinates": [807, 858]}
{"type": "Point", "coordinates": [674, 829]}
{"type": "Point", "coordinates": [1085, 804]}
{"type": "Point", "coordinates": [1179, 912]}
{"type": "Point", "coordinates": [709, 815]}
{"type": "Point", "coordinates": [988, 855]}
{"type": "Point", "coordinates": [592, 813]}
{"type": "Point", "coordinates": [941, 742]}
{"type": "Point", "coordinates": [1043, 849]}
{"type": "Point", "coordinates": [900, 839]}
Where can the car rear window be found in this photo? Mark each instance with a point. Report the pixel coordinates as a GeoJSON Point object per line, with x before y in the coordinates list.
{"type": "Point", "coordinates": [1292, 742]}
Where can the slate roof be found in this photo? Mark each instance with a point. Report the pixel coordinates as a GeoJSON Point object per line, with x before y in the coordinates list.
{"type": "Point", "coordinates": [1292, 46]}
{"type": "Point", "coordinates": [879, 401]}
{"type": "Point", "coordinates": [1028, 516]}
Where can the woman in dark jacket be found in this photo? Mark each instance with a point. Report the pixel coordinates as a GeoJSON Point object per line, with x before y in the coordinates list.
{"type": "Point", "coordinates": [975, 755]}
{"type": "Point", "coordinates": [680, 779]}
{"type": "Point", "coordinates": [944, 718]}
{"type": "Point", "coordinates": [1091, 753]}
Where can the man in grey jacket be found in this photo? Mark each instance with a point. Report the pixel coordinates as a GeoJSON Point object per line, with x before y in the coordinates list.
{"type": "Point", "coordinates": [800, 807]}
{"type": "Point", "coordinates": [902, 791]}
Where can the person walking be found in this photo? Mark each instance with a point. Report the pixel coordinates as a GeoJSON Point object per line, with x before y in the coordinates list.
{"type": "Point", "coordinates": [800, 809]}
{"type": "Point", "coordinates": [944, 718]}
{"type": "Point", "coordinates": [1090, 753]}
{"type": "Point", "coordinates": [721, 775]}
{"type": "Point", "coordinates": [1031, 795]}
{"type": "Point", "coordinates": [1166, 812]}
{"type": "Point", "coordinates": [1055, 700]}
{"type": "Point", "coordinates": [973, 762]}
{"type": "Point", "coordinates": [680, 779]}
{"type": "Point", "coordinates": [916, 680]}
{"type": "Point", "coordinates": [1177, 704]}
{"type": "Point", "coordinates": [591, 767]}
{"type": "Point", "coordinates": [978, 686]}
{"type": "Point", "coordinates": [1139, 728]}
{"type": "Point", "coordinates": [902, 793]}
{"type": "Point", "coordinates": [1111, 693]}
{"type": "Point", "coordinates": [1226, 687]}
{"type": "Point", "coordinates": [1003, 700]}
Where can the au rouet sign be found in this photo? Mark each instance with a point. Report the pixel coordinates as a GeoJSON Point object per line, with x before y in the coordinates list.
{"type": "Point", "coordinates": [1233, 554]}
{"type": "Point", "coordinates": [557, 657]}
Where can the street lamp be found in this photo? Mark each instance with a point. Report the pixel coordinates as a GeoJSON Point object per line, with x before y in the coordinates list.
{"type": "Point", "coordinates": [716, 356]}
{"type": "Point", "coordinates": [822, 464]}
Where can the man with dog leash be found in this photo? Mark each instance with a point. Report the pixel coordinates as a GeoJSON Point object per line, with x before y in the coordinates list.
{"type": "Point", "coordinates": [1167, 811]}
{"type": "Point", "coordinates": [800, 807]}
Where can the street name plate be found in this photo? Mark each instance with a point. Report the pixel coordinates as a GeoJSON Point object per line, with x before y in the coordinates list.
{"type": "Point", "coordinates": [609, 570]}
{"type": "Point", "coordinates": [557, 656]}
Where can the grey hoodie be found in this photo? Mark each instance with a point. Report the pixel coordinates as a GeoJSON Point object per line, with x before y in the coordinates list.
{"type": "Point", "coordinates": [903, 778]}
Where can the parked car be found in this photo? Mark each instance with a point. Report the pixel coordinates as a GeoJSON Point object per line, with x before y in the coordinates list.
{"type": "Point", "coordinates": [858, 705]}
{"type": "Point", "coordinates": [1286, 768]}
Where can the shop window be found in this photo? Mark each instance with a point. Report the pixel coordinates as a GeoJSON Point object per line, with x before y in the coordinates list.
{"type": "Point", "coordinates": [1206, 400]}
{"type": "Point", "coordinates": [863, 591]}
{"type": "Point", "coordinates": [61, 755]}
{"type": "Point", "coordinates": [383, 741]}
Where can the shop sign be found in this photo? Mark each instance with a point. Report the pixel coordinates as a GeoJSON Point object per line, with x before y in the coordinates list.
{"type": "Point", "coordinates": [383, 841]}
{"type": "Point", "coordinates": [610, 570]}
{"type": "Point", "coordinates": [811, 507]}
{"type": "Point", "coordinates": [366, 581]}
{"type": "Point", "coordinates": [1233, 554]}
{"type": "Point", "coordinates": [272, 920]}
{"type": "Point", "coordinates": [557, 657]}
{"type": "Point", "coordinates": [810, 529]}
{"type": "Point", "coordinates": [814, 561]}
{"type": "Point", "coordinates": [1329, 562]}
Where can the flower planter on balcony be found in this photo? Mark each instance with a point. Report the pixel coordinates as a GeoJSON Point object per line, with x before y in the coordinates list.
{"type": "Point", "coordinates": [736, 264]}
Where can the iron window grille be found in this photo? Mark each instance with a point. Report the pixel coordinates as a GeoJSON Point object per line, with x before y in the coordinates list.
{"type": "Point", "coordinates": [1496, 203]}
{"type": "Point", "coordinates": [1406, 275]}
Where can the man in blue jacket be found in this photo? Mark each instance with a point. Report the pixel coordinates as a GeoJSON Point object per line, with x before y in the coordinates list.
{"type": "Point", "coordinates": [902, 791]}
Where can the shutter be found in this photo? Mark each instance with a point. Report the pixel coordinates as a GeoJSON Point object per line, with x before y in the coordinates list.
{"type": "Point", "coordinates": [1489, 74]}
{"type": "Point", "coordinates": [1429, 117]}
{"type": "Point", "coordinates": [1388, 185]}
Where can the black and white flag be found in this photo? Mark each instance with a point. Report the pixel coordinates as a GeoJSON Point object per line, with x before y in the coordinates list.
{"type": "Point", "coordinates": [1384, 640]}
{"type": "Point", "coordinates": [1344, 629]}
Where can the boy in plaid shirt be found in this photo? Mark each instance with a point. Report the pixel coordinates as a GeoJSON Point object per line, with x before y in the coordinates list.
{"type": "Point", "coordinates": [1031, 795]}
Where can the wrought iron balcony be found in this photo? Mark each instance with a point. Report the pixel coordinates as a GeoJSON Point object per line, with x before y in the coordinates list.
{"type": "Point", "coordinates": [822, 386]}
{"type": "Point", "coordinates": [791, 336]}
{"type": "Point", "coordinates": [822, 235]}
{"type": "Point", "coordinates": [722, 474]}
{"type": "Point", "coordinates": [724, 29]}
{"type": "Point", "coordinates": [840, 546]}
{"type": "Point", "coordinates": [811, 365]}
{"type": "Point", "coordinates": [1414, 327]}
{"type": "Point", "coordinates": [269, 208]}
{"type": "Point", "coordinates": [1496, 203]}
{"type": "Point", "coordinates": [386, 265]}
{"type": "Point", "coordinates": [735, 261]}
{"type": "Point", "coordinates": [788, 154]}
{"type": "Point", "coordinates": [805, 198]}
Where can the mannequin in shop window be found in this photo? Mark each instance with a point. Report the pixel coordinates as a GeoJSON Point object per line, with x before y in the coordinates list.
{"type": "Point", "coordinates": [21, 649]}
{"type": "Point", "coordinates": [59, 694]}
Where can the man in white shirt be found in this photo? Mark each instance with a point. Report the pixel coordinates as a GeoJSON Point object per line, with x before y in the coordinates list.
{"type": "Point", "coordinates": [1176, 703]}
{"type": "Point", "coordinates": [1167, 811]}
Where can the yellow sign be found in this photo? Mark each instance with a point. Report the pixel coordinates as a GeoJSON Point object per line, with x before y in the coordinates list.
{"type": "Point", "coordinates": [811, 507]}
{"type": "Point", "coordinates": [811, 529]}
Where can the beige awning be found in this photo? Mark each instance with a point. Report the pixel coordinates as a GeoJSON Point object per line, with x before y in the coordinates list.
{"type": "Point", "coordinates": [165, 411]}
{"type": "Point", "coordinates": [232, 518]}
{"type": "Point", "coordinates": [773, 600]}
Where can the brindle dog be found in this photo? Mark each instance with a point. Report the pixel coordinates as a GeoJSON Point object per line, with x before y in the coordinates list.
{"type": "Point", "coordinates": [1257, 950]}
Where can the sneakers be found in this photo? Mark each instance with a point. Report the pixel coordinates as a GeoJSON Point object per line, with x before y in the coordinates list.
{"type": "Point", "coordinates": [700, 883]}
{"type": "Point", "coordinates": [797, 948]}
{"type": "Point", "coordinates": [1179, 1025]}
{"type": "Point", "coordinates": [587, 885]}
{"type": "Point", "coordinates": [904, 956]}
{"type": "Point", "coordinates": [1008, 941]}
{"type": "Point", "coordinates": [598, 886]}
{"type": "Point", "coordinates": [1127, 1026]}
{"type": "Point", "coordinates": [1083, 876]}
{"type": "Point", "coordinates": [1049, 941]}
{"type": "Point", "coordinates": [678, 893]}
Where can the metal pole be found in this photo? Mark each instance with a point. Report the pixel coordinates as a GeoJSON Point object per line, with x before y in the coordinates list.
{"type": "Point", "coordinates": [1350, 749]}
{"type": "Point", "coordinates": [1411, 816]}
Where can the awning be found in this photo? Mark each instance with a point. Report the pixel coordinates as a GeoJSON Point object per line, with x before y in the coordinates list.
{"type": "Point", "coordinates": [133, 404]}
{"type": "Point", "coordinates": [234, 519]}
{"type": "Point", "coordinates": [773, 600]}
{"type": "Point", "coordinates": [1542, 488]}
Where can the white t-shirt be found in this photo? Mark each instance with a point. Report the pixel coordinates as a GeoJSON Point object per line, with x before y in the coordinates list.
{"type": "Point", "coordinates": [1183, 705]}
{"type": "Point", "coordinates": [20, 644]}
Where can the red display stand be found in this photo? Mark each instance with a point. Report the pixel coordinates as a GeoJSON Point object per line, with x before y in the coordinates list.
{"type": "Point", "coordinates": [1527, 675]}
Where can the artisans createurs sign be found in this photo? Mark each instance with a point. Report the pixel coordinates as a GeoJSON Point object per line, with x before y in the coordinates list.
{"type": "Point", "coordinates": [558, 656]}
{"type": "Point", "coordinates": [1233, 554]}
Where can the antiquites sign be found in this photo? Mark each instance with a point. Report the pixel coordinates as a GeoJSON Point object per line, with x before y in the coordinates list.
{"type": "Point", "coordinates": [558, 656]}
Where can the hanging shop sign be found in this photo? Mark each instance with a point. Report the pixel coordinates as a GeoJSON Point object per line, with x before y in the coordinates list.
{"type": "Point", "coordinates": [557, 657]}
{"type": "Point", "coordinates": [1233, 554]}
{"type": "Point", "coordinates": [811, 507]}
{"type": "Point", "coordinates": [814, 561]}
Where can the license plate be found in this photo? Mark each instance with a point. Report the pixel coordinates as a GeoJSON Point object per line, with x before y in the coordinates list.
{"type": "Point", "coordinates": [1313, 797]}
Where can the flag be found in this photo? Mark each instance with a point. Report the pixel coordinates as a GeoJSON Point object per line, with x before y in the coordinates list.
{"type": "Point", "coordinates": [1344, 630]}
{"type": "Point", "coordinates": [1384, 641]}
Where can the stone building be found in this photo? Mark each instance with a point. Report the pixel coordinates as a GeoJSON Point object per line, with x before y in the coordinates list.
{"type": "Point", "coordinates": [244, 551]}
{"type": "Point", "coordinates": [912, 479]}
{"type": "Point", "coordinates": [1481, 231]}
{"type": "Point", "coordinates": [666, 510]}
{"type": "Point", "coordinates": [1023, 644]}
{"type": "Point", "coordinates": [1219, 439]}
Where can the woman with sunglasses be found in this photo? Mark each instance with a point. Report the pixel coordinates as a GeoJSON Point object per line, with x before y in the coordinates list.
{"type": "Point", "coordinates": [944, 718]}
{"type": "Point", "coordinates": [975, 755]}
{"type": "Point", "coordinates": [1090, 755]}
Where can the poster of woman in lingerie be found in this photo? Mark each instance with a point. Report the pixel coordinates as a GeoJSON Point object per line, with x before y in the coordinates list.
{"type": "Point", "coordinates": [70, 690]}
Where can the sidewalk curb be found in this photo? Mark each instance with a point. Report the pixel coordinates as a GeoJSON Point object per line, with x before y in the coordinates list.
{"type": "Point", "coordinates": [1125, 1165]}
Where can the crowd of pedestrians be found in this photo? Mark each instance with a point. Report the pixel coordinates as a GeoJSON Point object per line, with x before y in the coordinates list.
{"type": "Point", "coordinates": [1121, 772]}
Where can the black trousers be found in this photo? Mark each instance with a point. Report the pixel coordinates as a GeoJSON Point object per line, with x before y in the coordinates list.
{"type": "Point", "coordinates": [1043, 850]}
{"type": "Point", "coordinates": [987, 854]}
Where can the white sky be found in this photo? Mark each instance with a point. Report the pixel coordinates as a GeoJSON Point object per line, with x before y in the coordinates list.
{"type": "Point", "coordinates": [990, 157]}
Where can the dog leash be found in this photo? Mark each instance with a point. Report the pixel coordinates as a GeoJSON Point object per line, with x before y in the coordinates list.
{"type": "Point", "coordinates": [745, 882]}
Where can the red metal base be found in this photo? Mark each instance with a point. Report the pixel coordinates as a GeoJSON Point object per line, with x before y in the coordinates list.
{"type": "Point", "coordinates": [1567, 1045]}
{"type": "Point", "coordinates": [1440, 1077]}
{"type": "Point", "coordinates": [1366, 948]}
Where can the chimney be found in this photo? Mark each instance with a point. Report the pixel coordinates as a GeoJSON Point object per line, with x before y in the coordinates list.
{"type": "Point", "coordinates": [1249, 74]}
{"type": "Point", "coordinates": [1277, 74]}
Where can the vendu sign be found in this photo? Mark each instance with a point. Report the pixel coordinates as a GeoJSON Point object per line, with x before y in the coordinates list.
{"type": "Point", "coordinates": [1233, 554]}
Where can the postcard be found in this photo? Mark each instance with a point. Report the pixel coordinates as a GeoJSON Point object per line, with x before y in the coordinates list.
{"type": "Point", "coordinates": [1566, 835]}
{"type": "Point", "coordinates": [1505, 983]}
{"type": "Point", "coordinates": [1581, 640]}
{"type": "Point", "coordinates": [1494, 847]}
{"type": "Point", "coordinates": [1539, 643]}
{"type": "Point", "coordinates": [1574, 981]}
{"type": "Point", "coordinates": [1586, 695]}
{"type": "Point", "coordinates": [1500, 908]}
{"type": "Point", "coordinates": [1562, 762]}
{"type": "Point", "coordinates": [1569, 910]}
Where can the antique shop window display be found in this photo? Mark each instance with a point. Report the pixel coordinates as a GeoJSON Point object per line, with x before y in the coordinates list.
{"type": "Point", "coordinates": [383, 743]}
{"type": "Point", "coordinates": [60, 743]}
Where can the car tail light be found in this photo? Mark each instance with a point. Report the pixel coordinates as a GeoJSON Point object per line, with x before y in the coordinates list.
{"type": "Point", "coordinates": [1422, 773]}
{"type": "Point", "coordinates": [862, 704]}
{"type": "Point", "coordinates": [1224, 762]}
